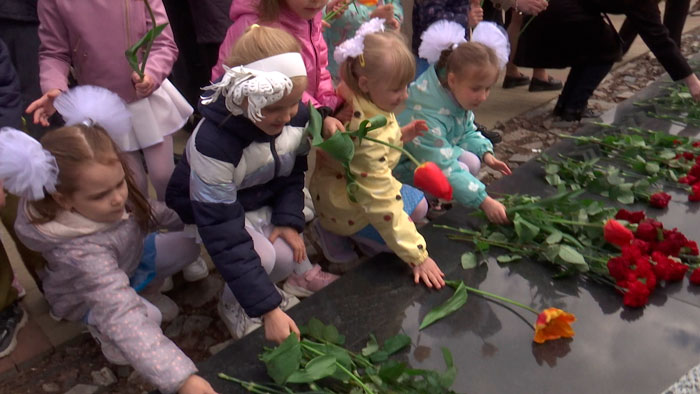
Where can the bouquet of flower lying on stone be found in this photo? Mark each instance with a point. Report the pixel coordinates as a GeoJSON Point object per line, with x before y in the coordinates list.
{"type": "Point", "coordinates": [645, 161]}
{"type": "Point", "coordinates": [427, 176]}
{"type": "Point", "coordinates": [623, 249]}
{"type": "Point", "coordinates": [319, 363]}
{"type": "Point", "coordinates": [677, 105]}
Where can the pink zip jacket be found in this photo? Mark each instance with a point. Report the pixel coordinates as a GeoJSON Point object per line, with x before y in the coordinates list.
{"type": "Point", "coordinates": [320, 90]}
{"type": "Point", "coordinates": [92, 36]}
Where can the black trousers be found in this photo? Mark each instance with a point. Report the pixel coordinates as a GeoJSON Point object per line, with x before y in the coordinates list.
{"type": "Point", "coordinates": [675, 14]}
{"type": "Point", "coordinates": [579, 86]}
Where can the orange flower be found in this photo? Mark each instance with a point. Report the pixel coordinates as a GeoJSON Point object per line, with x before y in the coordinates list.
{"type": "Point", "coordinates": [429, 177]}
{"type": "Point", "coordinates": [368, 3]}
{"type": "Point", "coordinates": [553, 323]}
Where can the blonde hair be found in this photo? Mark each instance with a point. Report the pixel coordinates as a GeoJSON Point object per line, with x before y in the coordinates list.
{"type": "Point", "coordinates": [75, 147]}
{"type": "Point", "coordinates": [385, 53]}
{"type": "Point", "coordinates": [467, 54]}
{"type": "Point", "coordinates": [259, 42]}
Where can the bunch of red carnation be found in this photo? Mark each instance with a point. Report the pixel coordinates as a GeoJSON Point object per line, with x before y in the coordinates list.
{"type": "Point", "coordinates": [692, 178]}
{"type": "Point", "coordinates": [649, 254]}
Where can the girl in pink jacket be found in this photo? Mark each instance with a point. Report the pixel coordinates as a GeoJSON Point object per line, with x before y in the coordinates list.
{"type": "Point", "coordinates": [88, 38]}
{"type": "Point", "coordinates": [300, 18]}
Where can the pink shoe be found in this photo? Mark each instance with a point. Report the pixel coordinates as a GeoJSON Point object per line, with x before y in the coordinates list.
{"type": "Point", "coordinates": [309, 282]}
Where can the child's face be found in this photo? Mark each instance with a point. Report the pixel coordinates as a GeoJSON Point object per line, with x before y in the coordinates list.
{"type": "Point", "coordinates": [472, 86]}
{"type": "Point", "coordinates": [101, 193]}
{"type": "Point", "coordinates": [306, 9]}
{"type": "Point", "coordinates": [383, 93]}
{"type": "Point", "coordinates": [276, 115]}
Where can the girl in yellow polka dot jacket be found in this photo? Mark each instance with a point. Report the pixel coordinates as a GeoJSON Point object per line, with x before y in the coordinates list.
{"type": "Point", "coordinates": [380, 219]}
{"type": "Point", "coordinates": [458, 81]}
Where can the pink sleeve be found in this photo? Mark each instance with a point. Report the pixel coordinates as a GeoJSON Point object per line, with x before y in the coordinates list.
{"type": "Point", "coordinates": [54, 50]}
{"type": "Point", "coordinates": [325, 93]}
{"type": "Point", "coordinates": [164, 51]}
{"type": "Point", "coordinates": [232, 34]}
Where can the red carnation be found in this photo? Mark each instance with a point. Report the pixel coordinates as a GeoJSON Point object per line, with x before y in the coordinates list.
{"type": "Point", "coordinates": [696, 144]}
{"type": "Point", "coordinates": [617, 234]}
{"type": "Point", "coordinates": [695, 171]}
{"type": "Point", "coordinates": [618, 268]}
{"type": "Point", "coordinates": [636, 294]}
{"type": "Point", "coordinates": [695, 195]}
{"type": "Point", "coordinates": [672, 242]}
{"type": "Point", "coordinates": [688, 156]}
{"type": "Point", "coordinates": [662, 268]}
{"type": "Point", "coordinates": [647, 231]}
{"type": "Point", "coordinates": [695, 277]}
{"type": "Point", "coordinates": [691, 248]}
{"type": "Point", "coordinates": [644, 247]}
{"type": "Point", "coordinates": [688, 179]}
{"type": "Point", "coordinates": [630, 216]}
{"type": "Point", "coordinates": [659, 200]}
{"type": "Point", "coordinates": [429, 177]}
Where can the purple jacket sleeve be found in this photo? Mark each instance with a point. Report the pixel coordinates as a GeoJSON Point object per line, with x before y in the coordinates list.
{"type": "Point", "coordinates": [54, 50]}
{"type": "Point", "coordinates": [164, 51]}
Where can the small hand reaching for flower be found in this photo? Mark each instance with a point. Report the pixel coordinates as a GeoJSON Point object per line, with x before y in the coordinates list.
{"type": "Point", "coordinates": [494, 210]}
{"type": "Point", "coordinates": [386, 12]}
{"type": "Point", "coordinates": [412, 130]}
{"type": "Point", "coordinates": [491, 161]}
{"type": "Point", "coordinates": [43, 107]}
{"type": "Point", "coordinates": [278, 326]}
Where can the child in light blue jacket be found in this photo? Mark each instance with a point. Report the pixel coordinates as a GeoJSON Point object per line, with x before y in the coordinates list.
{"type": "Point", "coordinates": [459, 80]}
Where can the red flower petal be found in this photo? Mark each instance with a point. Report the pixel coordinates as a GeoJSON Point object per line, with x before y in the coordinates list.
{"type": "Point", "coordinates": [429, 177]}
{"type": "Point", "coordinates": [659, 200]}
{"type": "Point", "coordinates": [617, 234]}
{"type": "Point", "coordinates": [632, 217]}
{"type": "Point", "coordinates": [695, 277]}
{"type": "Point", "coordinates": [636, 294]}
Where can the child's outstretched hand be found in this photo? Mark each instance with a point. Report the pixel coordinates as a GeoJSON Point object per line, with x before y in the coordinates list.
{"type": "Point", "coordinates": [278, 326]}
{"type": "Point", "coordinates": [144, 87]}
{"type": "Point", "coordinates": [338, 6]}
{"type": "Point", "coordinates": [413, 130]}
{"type": "Point", "coordinates": [292, 238]}
{"type": "Point", "coordinates": [43, 107]}
{"type": "Point", "coordinates": [494, 210]}
{"type": "Point", "coordinates": [476, 13]}
{"type": "Point", "coordinates": [491, 161]}
{"type": "Point", "coordinates": [386, 12]}
{"type": "Point", "coordinates": [331, 125]}
{"type": "Point", "coordinates": [429, 272]}
{"type": "Point", "coordinates": [196, 385]}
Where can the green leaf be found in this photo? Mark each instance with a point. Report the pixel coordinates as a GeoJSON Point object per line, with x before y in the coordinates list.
{"type": "Point", "coordinates": [667, 154]}
{"type": "Point", "coordinates": [507, 258]}
{"type": "Point", "coordinates": [572, 256]}
{"type": "Point", "coordinates": [497, 236]}
{"type": "Point", "coordinates": [455, 302]}
{"type": "Point", "coordinates": [371, 347]}
{"type": "Point", "coordinates": [526, 231]}
{"type": "Point", "coordinates": [396, 343]}
{"type": "Point", "coordinates": [317, 368]}
{"type": "Point", "coordinates": [614, 179]}
{"type": "Point", "coordinates": [468, 260]}
{"type": "Point", "coordinates": [553, 179]}
{"type": "Point", "coordinates": [551, 169]}
{"type": "Point", "coordinates": [626, 197]}
{"type": "Point", "coordinates": [448, 377]}
{"type": "Point", "coordinates": [554, 238]}
{"type": "Point", "coordinates": [652, 168]}
{"type": "Point", "coordinates": [282, 361]}
{"type": "Point", "coordinates": [315, 328]}
{"type": "Point", "coordinates": [392, 371]}
{"type": "Point", "coordinates": [331, 334]}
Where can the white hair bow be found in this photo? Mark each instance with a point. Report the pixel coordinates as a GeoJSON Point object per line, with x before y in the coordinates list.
{"type": "Point", "coordinates": [354, 47]}
{"type": "Point", "coordinates": [262, 88]}
{"type": "Point", "coordinates": [443, 35]}
{"type": "Point", "coordinates": [25, 167]}
{"type": "Point", "coordinates": [93, 104]}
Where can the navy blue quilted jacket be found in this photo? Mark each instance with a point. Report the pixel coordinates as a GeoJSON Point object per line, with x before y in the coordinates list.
{"type": "Point", "coordinates": [231, 167]}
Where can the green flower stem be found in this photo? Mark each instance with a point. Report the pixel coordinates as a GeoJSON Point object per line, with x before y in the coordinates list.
{"type": "Point", "coordinates": [500, 298]}
{"type": "Point", "coordinates": [573, 222]}
{"type": "Point", "coordinates": [150, 42]}
{"type": "Point", "coordinates": [250, 386]}
{"type": "Point", "coordinates": [356, 357]}
{"type": "Point", "coordinates": [400, 149]}
{"type": "Point", "coordinates": [342, 368]}
{"type": "Point", "coordinates": [329, 16]}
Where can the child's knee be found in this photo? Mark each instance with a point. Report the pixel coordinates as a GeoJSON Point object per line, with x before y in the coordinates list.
{"type": "Point", "coordinates": [470, 162]}
{"type": "Point", "coordinates": [420, 210]}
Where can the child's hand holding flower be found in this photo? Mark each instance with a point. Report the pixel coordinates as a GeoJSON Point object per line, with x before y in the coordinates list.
{"type": "Point", "coordinates": [278, 326]}
{"type": "Point", "coordinates": [43, 107]}
{"type": "Point", "coordinates": [335, 9]}
{"type": "Point", "coordinates": [429, 272]}
{"type": "Point", "coordinates": [144, 87]}
{"type": "Point", "coordinates": [494, 210]}
{"type": "Point", "coordinates": [292, 238]}
{"type": "Point", "coordinates": [331, 125]}
{"type": "Point", "coordinates": [413, 130]}
{"type": "Point", "coordinates": [491, 161]}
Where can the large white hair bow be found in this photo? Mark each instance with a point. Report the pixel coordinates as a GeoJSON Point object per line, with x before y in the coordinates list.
{"type": "Point", "coordinates": [443, 35]}
{"type": "Point", "coordinates": [262, 88]}
{"type": "Point", "coordinates": [92, 104]}
{"type": "Point", "coordinates": [354, 47]}
{"type": "Point", "coordinates": [25, 167]}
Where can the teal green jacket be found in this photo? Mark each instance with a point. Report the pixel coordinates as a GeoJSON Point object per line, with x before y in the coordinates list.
{"type": "Point", "coordinates": [451, 132]}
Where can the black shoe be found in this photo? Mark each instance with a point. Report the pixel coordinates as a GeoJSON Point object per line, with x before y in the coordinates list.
{"type": "Point", "coordinates": [511, 82]}
{"type": "Point", "coordinates": [492, 136]}
{"type": "Point", "coordinates": [571, 115]}
{"type": "Point", "coordinates": [11, 320]}
{"type": "Point", "coordinates": [538, 85]}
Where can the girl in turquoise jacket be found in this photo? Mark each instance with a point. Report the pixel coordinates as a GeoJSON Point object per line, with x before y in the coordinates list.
{"type": "Point", "coordinates": [459, 81]}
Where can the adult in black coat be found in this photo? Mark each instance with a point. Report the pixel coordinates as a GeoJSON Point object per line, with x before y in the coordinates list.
{"type": "Point", "coordinates": [577, 33]}
{"type": "Point", "coordinates": [10, 97]}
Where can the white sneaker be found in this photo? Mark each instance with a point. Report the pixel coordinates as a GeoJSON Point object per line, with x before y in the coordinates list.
{"type": "Point", "coordinates": [238, 323]}
{"type": "Point", "coordinates": [288, 300]}
{"type": "Point", "coordinates": [196, 271]}
{"type": "Point", "coordinates": [109, 349]}
{"type": "Point", "coordinates": [309, 209]}
{"type": "Point", "coordinates": [167, 307]}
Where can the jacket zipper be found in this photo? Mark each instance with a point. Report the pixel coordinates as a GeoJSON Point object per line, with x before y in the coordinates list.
{"type": "Point", "coordinates": [318, 73]}
{"type": "Point", "coordinates": [275, 157]}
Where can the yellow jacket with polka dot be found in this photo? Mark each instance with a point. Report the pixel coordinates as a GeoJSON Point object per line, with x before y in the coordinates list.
{"type": "Point", "coordinates": [378, 194]}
